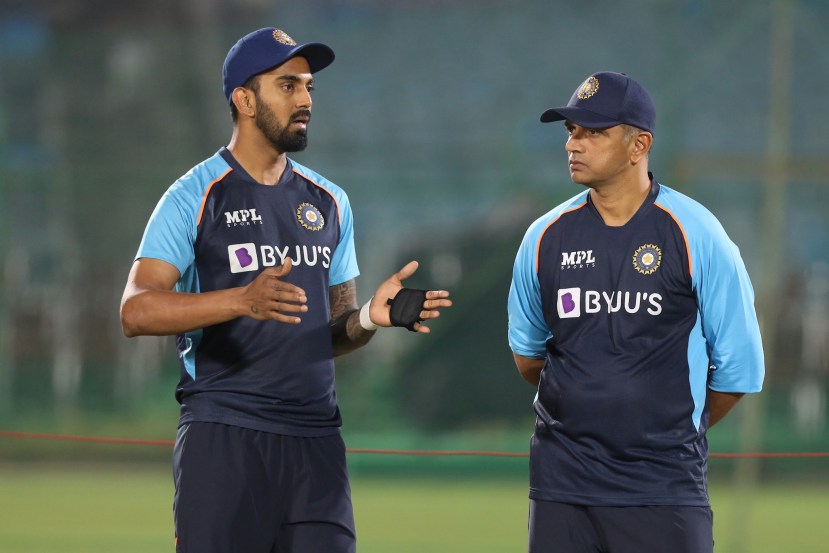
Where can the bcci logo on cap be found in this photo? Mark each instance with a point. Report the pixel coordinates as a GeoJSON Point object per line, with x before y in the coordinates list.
{"type": "Point", "coordinates": [282, 38]}
{"type": "Point", "coordinates": [242, 257]}
{"type": "Point", "coordinates": [588, 88]}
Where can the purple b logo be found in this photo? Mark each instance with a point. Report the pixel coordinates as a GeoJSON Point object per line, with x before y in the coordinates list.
{"type": "Point", "coordinates": [567, 302]}
{"type": "Point", "coordinates": [244, 257]}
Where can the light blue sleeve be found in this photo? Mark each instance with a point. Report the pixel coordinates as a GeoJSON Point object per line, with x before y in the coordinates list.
{"type": "Point", "coordinates": [171, 230]}
{"type": "Point", "coordinates": [344, 261]}
{"type": "Point", "coordinates": [528, 330]}
{"type": "Point", "coordinates": [726, 302]}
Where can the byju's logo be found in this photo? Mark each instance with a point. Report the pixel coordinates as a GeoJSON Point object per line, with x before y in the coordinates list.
{"type": "Point", "coordinates": [572, 302]}
{"type": "Point", "coordinates": [242, 258]}
{"type": "Point", "coordinates": [577, 260]}
{"type": "Point", "coordinates": [569, 303]}
{"type": "Point", "coordinates": [242, 217]}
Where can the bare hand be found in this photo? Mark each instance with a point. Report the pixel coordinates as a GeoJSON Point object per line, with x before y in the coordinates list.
{"type": "Point", "coordinates": [269, 297]}
{"type": "Point", "coordinates": [379, 309]}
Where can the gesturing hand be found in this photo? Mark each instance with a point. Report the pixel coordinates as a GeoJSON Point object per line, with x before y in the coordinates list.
{"type": "Point", "coordinates": [379, 308]}
{"type": "Point", "coordinates": [269, 297]}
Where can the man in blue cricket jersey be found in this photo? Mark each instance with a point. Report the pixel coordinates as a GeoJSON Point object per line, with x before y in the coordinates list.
{"type": "Point", "coordinates": [631, 311]}
{"type": "Point", "coordinates": [249, 259]}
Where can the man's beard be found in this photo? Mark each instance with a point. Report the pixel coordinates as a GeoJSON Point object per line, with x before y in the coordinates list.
{"type": "Point", "coordinates": [282, 138]}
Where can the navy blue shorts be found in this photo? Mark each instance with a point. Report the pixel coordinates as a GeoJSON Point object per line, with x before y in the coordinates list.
{"type": "Point", "coordinates": [563, 528]}
{"type": "Point", "coordinates": [241, 490]}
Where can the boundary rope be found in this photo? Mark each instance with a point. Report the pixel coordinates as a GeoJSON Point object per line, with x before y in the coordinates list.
{"type": "Point", "coordinates": [418, 452]}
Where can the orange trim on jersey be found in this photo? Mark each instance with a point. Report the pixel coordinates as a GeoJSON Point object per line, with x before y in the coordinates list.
{"type": "Point", "coordinates": [684, 236]}
{"type": "Point", "coordinates": [318, 185]}
{"type": "Point", "coordinates": [206, 192]}
{"type": "Point", "coordinates": [541, 236]}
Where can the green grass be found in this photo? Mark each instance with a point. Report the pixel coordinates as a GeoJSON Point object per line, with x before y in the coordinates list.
{"type": "Point", "coordinates": [63, 510]}
{"type": "Point", "coordinates": [423, 516]}
{"type": "Point", "coordinates": [83, 509]}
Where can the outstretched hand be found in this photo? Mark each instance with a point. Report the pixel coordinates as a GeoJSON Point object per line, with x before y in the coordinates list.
{"type": "Point", "coordinates": [268, 297]}
{"type": "Point", "coordinates": [379, 309]}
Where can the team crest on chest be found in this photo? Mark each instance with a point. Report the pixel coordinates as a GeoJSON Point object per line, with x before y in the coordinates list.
{"type": "Point", "coordinates": [309, 216]}
{"type": "Point", "coordinates": [647, 258]}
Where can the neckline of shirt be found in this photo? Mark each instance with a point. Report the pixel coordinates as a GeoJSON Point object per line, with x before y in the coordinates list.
{"type": "Point", "coordinates": [650, 199]}
{"type": "Point", "coordinates": [241, 172]}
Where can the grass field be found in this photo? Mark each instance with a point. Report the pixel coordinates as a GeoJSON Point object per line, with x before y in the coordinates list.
{"type": "Point", "coordinates": [48, 509]}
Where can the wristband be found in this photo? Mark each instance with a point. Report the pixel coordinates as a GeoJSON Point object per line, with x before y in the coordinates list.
{"type": "Point", "coordinates": [365, 319]}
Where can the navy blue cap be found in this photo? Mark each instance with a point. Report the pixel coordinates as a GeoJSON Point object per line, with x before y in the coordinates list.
{"type": "Point", "coordinates": [607, 99]}
{"type": "Point", "coordinates": [265, 49]}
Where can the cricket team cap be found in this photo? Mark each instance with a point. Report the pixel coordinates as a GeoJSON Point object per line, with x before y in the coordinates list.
{"type": "Point", "coordinates": [607, 99]}
{"type": "Point", "coordinates": [265, 49]}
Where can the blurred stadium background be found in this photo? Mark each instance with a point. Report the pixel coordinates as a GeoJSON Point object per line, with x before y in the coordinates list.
{"type": "Point", "coordinates": [429, 119]}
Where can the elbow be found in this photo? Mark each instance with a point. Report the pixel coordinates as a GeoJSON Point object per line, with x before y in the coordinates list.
{"type": "Point", "coordinates": [129, 331]}
{"type": "Point", "coordinates": [529, 369]}
{"type": "Point", "coordinates": [130, 325]}
{"type": "Point", "coordinates": [530, 375]}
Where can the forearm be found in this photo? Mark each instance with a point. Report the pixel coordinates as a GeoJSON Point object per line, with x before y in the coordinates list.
{"type": "Point", "coordinates": [719, 404]}
{"type": "Point", "coordinates": [347, 334]}
{"type": "Point", "coordinates": [164, 312]}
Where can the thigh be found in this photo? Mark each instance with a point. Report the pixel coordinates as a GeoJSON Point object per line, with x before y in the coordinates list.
{"type": "Point", "coordinates": [319, 515]}
{"type": "Point", "coordinates": [316, 537]}
{"type": "Point", "coordinates": [561, 528]}
{"type": "Point", "coordinates": [656, 529]}
{"type": "Point", "coordinates": [221, 502]}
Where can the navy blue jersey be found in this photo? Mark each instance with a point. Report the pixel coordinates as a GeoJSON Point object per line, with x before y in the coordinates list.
{"type": "Point", "coordinates": [220, 229]}
{"type": "Point", "coordinates": [634, 324]}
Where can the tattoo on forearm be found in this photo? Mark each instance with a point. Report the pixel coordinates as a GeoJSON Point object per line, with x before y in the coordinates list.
{"type": "Point", "coordinates": [343, 297]}
{"type": "Point", "coordinates": [346, 332]}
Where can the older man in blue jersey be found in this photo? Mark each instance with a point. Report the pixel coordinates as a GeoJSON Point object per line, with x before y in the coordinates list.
{"type": "Point", "coordinates": [249, 259]}
{"type": "Point", "coordinates": [631, 311]}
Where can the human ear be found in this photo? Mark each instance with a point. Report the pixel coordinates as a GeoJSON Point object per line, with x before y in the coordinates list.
{"type": "Point", "coordinates": [642, 143]}
{"type": "Point", "coordinates": [244, 101]}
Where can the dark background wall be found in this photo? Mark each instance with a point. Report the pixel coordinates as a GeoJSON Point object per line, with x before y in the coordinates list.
{"type": "Point", "coordinates": [429, 119]}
